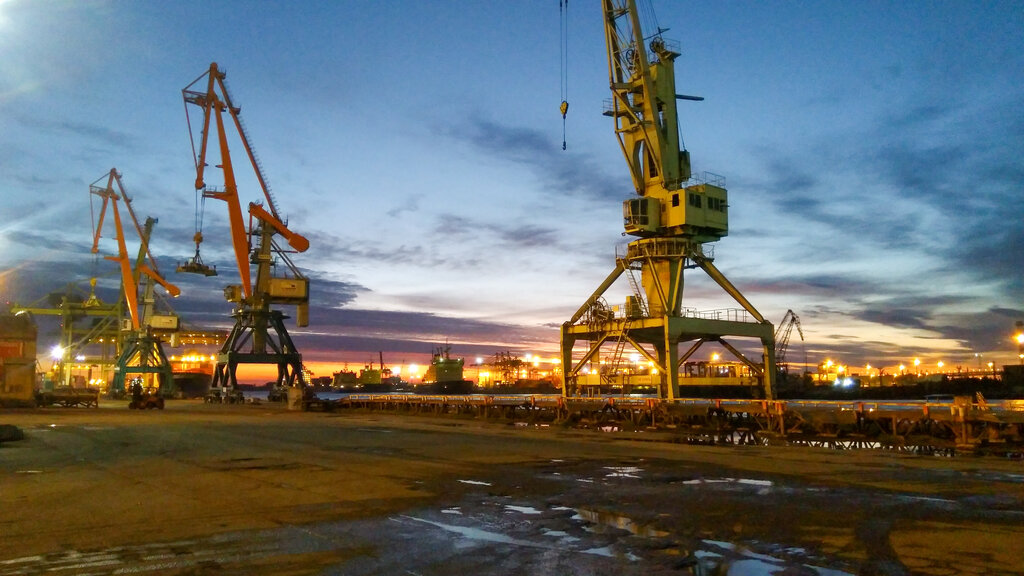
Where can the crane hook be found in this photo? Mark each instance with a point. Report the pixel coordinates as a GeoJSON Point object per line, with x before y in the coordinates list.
{"type": "Point", "coordinates": [564, 108]}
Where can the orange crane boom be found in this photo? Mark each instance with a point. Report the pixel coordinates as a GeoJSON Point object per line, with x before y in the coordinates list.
{"type": "Point", "coordinates": [129, 279]}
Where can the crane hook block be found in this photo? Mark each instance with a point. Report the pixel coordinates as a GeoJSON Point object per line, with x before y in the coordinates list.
{"type": "Point", "coordinates": [565, 108]}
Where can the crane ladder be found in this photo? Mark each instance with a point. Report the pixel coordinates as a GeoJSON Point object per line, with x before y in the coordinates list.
{"type": "Point", "coordinates": [635, 286]}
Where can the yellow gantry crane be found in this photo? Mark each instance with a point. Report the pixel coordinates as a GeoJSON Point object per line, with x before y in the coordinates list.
{"type": "Point", "coordinates": [259, 335]}
{"type": "Point", "coordinates": [673, 215]}
{"type": "Point", "coordinates": [140, 345]}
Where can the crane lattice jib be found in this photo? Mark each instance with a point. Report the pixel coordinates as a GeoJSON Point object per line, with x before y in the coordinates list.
{"type": "Point", "coordinates": [213, 107]}
{"type": "Point", "coordinates": [783, 333]}
{"type": "Point", "coordinates": [214, 101]}
{"type": "Point", "coordinates": [643, 102]}
{"type": "Point", "coordinates": [110, 198]}
{"type": "Point", "coordinates": [129, 277]}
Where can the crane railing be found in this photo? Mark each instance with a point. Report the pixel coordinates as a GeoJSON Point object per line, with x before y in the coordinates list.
{"type": "Point", "coordinates": [728, 314]}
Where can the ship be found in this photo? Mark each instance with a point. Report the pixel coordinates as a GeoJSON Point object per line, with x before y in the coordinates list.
{"type": "Point", "coordinates": [444, 376]}
{"type": "Point", "coordinates": [344, 381]}
{"type": "Point", "coordinates": [370, 379]}
{"type": "Point", "coordinates": [192, 374]}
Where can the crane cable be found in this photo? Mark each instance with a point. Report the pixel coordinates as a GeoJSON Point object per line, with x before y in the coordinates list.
{"type": "Point", "coordinates": [563, 12]}
{"type": "Point", "coordinates": [200, 197]}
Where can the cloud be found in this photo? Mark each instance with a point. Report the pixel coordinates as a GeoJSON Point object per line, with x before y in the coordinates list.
{"type": "Point", "coordinates": [412, 205]}
{"type": "Point", "coordinates": [520, 235]}
{"type": "Point", "coordinates": [340, 249]}
{"type": "Point", "coordinates": [409, 333]}
{"type": "Point", "coordinates": [96, 133]}
{"type": "Point", "coordinates": [562, 173]}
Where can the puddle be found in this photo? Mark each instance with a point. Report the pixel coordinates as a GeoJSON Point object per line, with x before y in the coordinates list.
{"type": "Point", "coordinates": [482, 535]}
{"type": "Point", "coordinates": [473, 533]}
{"type": "Point", "coordinates": [605, 519]}
{"type": "Point", "coordinates": [747, 481]}
{"type": "Point", "coordinates": [623, 471]}
{"type": "Point", "coordinates": [522, 509]}
{"type": "Point", "coordinates": [760, 486]}
{"type": "Point", "coordinates": [473, 538]}
{"type": "Point", "coordinates": [736, 560]}
{"type": "Point", "coordinates": [561, 534]}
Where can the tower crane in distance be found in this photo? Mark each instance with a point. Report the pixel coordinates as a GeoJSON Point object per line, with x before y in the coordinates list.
{"type": "Point", "coordinates": [259, 335]}
{"type": "Point", "coordinates": [672, 216]}
{"type": "Point", "coordinates": [140, 348]}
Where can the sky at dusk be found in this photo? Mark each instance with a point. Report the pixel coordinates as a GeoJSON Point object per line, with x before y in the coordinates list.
{"type": "Point", "coordinates": [872, 152]}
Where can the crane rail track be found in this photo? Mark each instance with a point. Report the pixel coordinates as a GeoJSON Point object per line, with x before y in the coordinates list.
{"type": "Point", "coordinates": [961, 425]}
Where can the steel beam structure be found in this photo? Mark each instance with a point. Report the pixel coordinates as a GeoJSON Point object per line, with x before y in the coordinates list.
{"type": "Point", "coordinates": [656, 328]}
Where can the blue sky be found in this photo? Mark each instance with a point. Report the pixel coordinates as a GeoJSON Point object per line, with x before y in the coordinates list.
{"type": "Point", "coordinates": [872, 152]}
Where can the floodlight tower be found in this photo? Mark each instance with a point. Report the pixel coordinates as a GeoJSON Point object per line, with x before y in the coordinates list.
{"type": "Point", "coordinates": [673, 216]}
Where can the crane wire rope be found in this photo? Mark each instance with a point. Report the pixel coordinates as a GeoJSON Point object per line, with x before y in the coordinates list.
{"type": "Point", "coordinates": [563, 13]}
{"type": "Point", "coordinates": [92, 218]}
{"type": "Point", "coordinates": [200, 197]}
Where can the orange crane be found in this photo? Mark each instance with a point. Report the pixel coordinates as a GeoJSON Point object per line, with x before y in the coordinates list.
{"type": "Point", "coordinates": [140, 351]}
{"type": "Point", "coordinates": [259, 335]}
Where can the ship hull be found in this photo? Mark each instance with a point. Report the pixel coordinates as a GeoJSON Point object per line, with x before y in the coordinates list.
{"type": "Point", "coordinates": [191, 384]}
{"type": "Point", "coordinates": [448, 387]}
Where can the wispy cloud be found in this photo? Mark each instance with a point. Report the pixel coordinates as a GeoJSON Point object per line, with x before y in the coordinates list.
{"type": "Point", "coordinates": [562, 173]}
{"type": "Point", "coordinates": [96, 133]}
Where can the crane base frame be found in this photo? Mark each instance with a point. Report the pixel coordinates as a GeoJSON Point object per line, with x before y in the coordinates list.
{"type": "Point", "coordinates": [142, 355]}
{"type": "Point", "coordinates": [666, 330]}
{"type": "Point", "coordinates": [248, 343]}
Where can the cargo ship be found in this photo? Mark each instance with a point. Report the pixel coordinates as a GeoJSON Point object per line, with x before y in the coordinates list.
{"type": "Point", "coordinates": [370, 379]}
{"type": "Point", "coordinates": [444, 376]}
{"type": "Point", "coordinates": [192, 374]}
